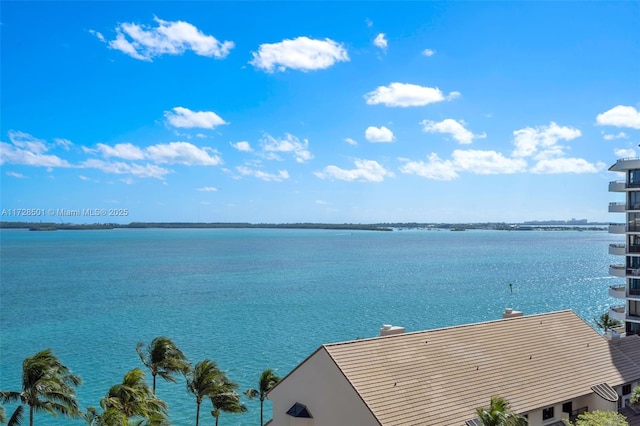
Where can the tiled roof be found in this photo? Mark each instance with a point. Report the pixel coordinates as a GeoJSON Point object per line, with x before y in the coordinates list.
{"type": "Point", "coordinates": [439, 377]}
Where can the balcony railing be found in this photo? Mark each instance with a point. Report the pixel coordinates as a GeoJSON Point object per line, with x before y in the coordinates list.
{"type": "Point", "coordinates": [617, 313]}
{"type": "Point", "coordinates": [617, 186]}
{"type": "Point", "coordinates": [617, 271]}
{"type": "Point", "coordinates": [617, 228]}
{"type": "Point", "coordinates": [617, 291]}
{"type": "Point", "coordinates": [617, 207]}
{"type": "Point", "coordinates": [617, 249]}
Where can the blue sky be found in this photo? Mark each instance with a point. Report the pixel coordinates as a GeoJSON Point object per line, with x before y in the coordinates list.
{"type": "Point", "coordinates": [333, 112]}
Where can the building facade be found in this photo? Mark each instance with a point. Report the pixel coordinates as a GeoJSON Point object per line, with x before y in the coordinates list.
{"type": "Point", "coordinates": [628, 292]}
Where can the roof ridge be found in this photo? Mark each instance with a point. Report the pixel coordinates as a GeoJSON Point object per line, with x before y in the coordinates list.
{"type": "Point", "coordinates": [450, 327]}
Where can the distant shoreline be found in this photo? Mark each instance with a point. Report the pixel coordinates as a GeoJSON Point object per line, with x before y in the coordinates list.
{"type": "Point", "coordinates": [526, 226]}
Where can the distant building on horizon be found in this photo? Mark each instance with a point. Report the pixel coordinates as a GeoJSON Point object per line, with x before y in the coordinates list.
{"type": "Point", "coordinates": [629, 293]}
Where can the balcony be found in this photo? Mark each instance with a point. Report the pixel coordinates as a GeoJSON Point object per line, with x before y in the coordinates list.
{"type": "Point", "coordinates": [617, 291]}
{"type": "Point", "coordinates": [617, 208]}
{"type": "Point", "coordinates": [617, 186]}
{"type": "Point", "coordinates": [617, 313]}
{"type": "Point", "coordinates": [617, 249]}
{"type": "Point", "coordinates": [625, 164]}
{"type": "Point", "coordinates": [617, 228]}
{"type": "Point", "coordinates": [617, 271]}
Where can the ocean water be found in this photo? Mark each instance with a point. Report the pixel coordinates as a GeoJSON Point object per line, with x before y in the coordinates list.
{"type": "Point", "coordinates": [252, 299]}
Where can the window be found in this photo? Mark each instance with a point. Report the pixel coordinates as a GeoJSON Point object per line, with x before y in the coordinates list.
{"type": "Point", "coordinates": [547, 413]}
{"type": "Point", "coordinates": [626, 389]}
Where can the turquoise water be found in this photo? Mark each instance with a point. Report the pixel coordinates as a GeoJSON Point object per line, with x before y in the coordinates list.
{"type": "Point", "coordinates": [257, 299]}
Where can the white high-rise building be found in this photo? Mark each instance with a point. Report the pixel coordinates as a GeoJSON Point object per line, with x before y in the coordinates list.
{"type": "Point", "coordinates": [629, 294]}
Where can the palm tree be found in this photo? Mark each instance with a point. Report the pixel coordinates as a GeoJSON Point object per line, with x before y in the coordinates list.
{"type": "Point", "coordinates": [206, 380]}
{"type": "Point", "coordinates": [47, 385]}
{"type": "Point", "coordinates": [268, 380]}
{"type": "Point", "coordinates": [606, 322]}
{"type": "Point", "coordinates": [162, 357]}
{"type": "Point", "coordinates": [601, 417]}
{"type": "Point", "coordinates": [499, 414]}
{"type": "Point", "coordinates": [229, 402]}
{"type": "Point", "coordinates": [132, 399]}
{"type": "Point", "coordinates": [635, 395]}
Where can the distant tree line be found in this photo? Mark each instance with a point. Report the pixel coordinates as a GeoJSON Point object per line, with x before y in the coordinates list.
{"type": "Point", "coordinates": [52, 226]}
{"type": "Point", "coordinates": [48, 386]}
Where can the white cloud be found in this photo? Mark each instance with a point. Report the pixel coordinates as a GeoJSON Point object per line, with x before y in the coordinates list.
{"type": "Point", "coordinates": [321, 202]}
{"type": "Point", "coordinates": [27, 150]}
{"type": "Point", "coordinates": [428, 52]}
{"type": "Point", "coordinates": [406, 95]}
{"type": "Point", "coordinates": [170, 153]}
{"type": "Point", "coordinates": [289, 144]}
{"type": "Point", "coordinates": [172, 38]}
{"type": "Point", "coordinates": [185, 118]}
{"type": "Point", "coordinates": [301, 53]}
{"type": "Point", "coordinates": [435, 168]}
{"type": "Point", "coordinates": [259, 174]}
{"type": "Point", "coordinates": [381, 41]}
{"type": "Point", "coordinates": [542, 140]}
{"type": "Point", "coordinates": [472, 161]}
{"type": "Point", "coordinates": [66, 144]}
{"type": "Point", "coordinates": [126, 151]}
{"type": "Point", "coordinates": [119, 167]}
{"type": "Point", "coordinates": [610, 137]}
{"type": "Point", "coordinates": [98, 35]}
{"type": "Point", "coordinates": [365, 171]}
{"type": "Point", "coordinates": [624, 153]}
{"type": "Point", "coordinates": [620, 116]}
{"type": "Point", "coordinates": [28, 142]}
{"type": "Point", "coordinates": [375, 134]}
{"type": "Point", "coordinates": [183, 153]}
{"type": "Point", "coordinates": [242, 146]}
{"type": "Point", "coordinates": [486, 162]}
{"type": "Point", "coordinates": [208, 189]}
{"type": "Point", "coordinates": [16, 175]}
{"type": "Point", "coordinates": [88, 179]}
{"type": "Point", "coordinates": [369, 22]}
{"type": "Point", "coordinates": [451, 127]}
{"type": "Point", "coordinates": [453, 95]}
{"type": "Point", "coordinates": [566, 165]}
{"type": "Point", "coordinates": [350, 141]}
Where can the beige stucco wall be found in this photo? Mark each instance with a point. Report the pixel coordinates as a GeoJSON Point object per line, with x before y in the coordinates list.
{"type": "Point", "coordinates": [329, 397]}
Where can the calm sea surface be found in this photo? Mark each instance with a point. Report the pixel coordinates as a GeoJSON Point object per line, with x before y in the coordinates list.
{"type": "Point", "coordinates": [257, 299]}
